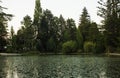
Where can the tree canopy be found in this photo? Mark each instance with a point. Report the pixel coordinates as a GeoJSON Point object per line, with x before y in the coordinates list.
{"type": "Point", "coordinates": [48, 33]}
{"type": "Point", "coordinates": [4, 18]}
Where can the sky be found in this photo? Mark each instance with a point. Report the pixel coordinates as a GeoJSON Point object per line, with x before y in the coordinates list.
{"type": "Point", "coordinates": [68, 8]}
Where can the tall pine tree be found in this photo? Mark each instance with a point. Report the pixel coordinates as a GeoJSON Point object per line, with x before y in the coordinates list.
{"type": "Point", "coordinates": [3, 28]}
{"type": "Point", "coordinates": [109, 10]}
{"type": "Point", "coordinates": [84, 24]}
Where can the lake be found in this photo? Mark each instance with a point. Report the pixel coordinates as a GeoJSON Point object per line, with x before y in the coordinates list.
{"type": "Point", "coordinates": [59, 66]}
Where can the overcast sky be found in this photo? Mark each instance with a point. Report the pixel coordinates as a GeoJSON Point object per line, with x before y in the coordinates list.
{"type": "Point", "coordinates": [68, 8]}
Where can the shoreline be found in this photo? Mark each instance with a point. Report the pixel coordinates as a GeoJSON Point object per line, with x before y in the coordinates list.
{"type": "Point", "coordinates": [9, 54]}
{"type": "Point", "coordinates": [24, 54]}
{"type": "Point", "coordinates": [113, 54]}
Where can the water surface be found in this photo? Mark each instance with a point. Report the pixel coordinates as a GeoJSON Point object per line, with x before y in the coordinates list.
{"type": "Point", "coordinates": [59, 66]}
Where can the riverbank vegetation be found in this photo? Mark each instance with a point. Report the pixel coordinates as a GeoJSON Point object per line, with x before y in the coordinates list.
{"type": "Point", "coordinates": [49, 33]}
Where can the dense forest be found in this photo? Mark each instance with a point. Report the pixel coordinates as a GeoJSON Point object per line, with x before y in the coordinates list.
{"type": "Point", "coordinates": [47, 33]}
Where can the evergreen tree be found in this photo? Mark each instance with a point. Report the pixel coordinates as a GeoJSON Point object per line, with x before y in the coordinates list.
{"type": "Point", "coordinates": [46, 29]}
{"type": "Point", "coordinates": [97, 38]}
{"type": "Point", "coordinates": [93, 32]}
{"type": "Point", "coordinates": [71, 28]}
{"type": "Point", "coordinates": [66, 36]}
{"type": "Point", "coordinates": [61, 27]}
{"type": "Point", "coordinates": [51, 45]}
{"type": "Point", "coordinates": [79, 39]}
{"type": "Point", "coordinates": [110, 12]}
{"type": "Point", "coordinates": [3, 28]}
{"type": "Point", "coordinates": [84, 24]}
{"type": "Point", "coordinates": [85, 18]}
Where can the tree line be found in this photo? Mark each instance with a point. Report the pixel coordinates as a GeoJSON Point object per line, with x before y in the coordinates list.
{"type": "Point", "coordinates": [47, 33]}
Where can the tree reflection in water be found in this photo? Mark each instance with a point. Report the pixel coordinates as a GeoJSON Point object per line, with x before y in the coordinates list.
{"type": "Point", "coordinates": [3, 72]}
{"type": "Point", "coordinates": [7, 69]}
{"type": "Point", "coordinates": [60, 66]}
{"type": "Point", "coordinates": [113, 67]}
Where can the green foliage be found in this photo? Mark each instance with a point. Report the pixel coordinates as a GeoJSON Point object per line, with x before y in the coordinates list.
{"type": "Point", "coordinates": [118, 50]}
{"type": "Point", "coordinates": [49, 33]}
{"type": "Point", "coordinates": [66, 36]}
{"type": "Point", "coordinates": [93, 32]}
{"type": "Point", "coordinates": [37, 25]}
{"type": "Point", "coordinates": [85, 18]}
{"type": "Point", "coordinates": [3, 44]}
{"type": "Point", "coordinates": [46, 28]}
{"type": "Point", "coordinates": [79, 39]}
{"type": "Point", "coordinates": [4, 18]}
{"type": "Point", "coordinates": [111, 21]}
{"type": "Point", "coordinates": [69, 47]}
{"type": "Point", "coordinates": [3, 35]}
{"type": "Point", "coordinates": [89, 47]}
{"type": "Point", "coordinates": [71, 28]}
{"type": "Point", "coordinates": [25, 36]}
{"type": "Point", "coordinates": [61, 26]}
{"type": "Point", "coordinates": [39, 45]}
{"type": "Point", "coordinates": [84, 24]}
{"type": "Point", "coordinates": [37, 13]}
{"type": "Point", "coordinates": [51, 46]}
{"type": "Point", "coordinates": [100, 44]}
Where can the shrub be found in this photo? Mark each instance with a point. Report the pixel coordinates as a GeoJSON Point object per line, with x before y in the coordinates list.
{"type": "Point", "coordinates": [69, 47]}
{"type": "Point", "coordinates": [89, 47]}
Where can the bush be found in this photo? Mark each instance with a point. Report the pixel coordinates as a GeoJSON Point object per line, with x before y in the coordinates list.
{"type": "Point", "coordinates": [69, 47]}
{"type": "Point", "coordinates": [89, 47]}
